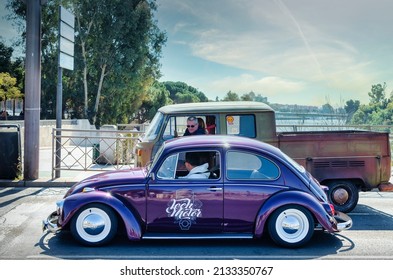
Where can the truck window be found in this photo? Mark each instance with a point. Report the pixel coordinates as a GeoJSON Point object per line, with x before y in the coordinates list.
{"type": "Point", "coordinates": [241, 125]}
{"type": "Point", "coordinates": [172, 128]}
{"type": "Point", "coordinates": [154, 127]}
{"type": "Point", "coordinates": [176, 125]}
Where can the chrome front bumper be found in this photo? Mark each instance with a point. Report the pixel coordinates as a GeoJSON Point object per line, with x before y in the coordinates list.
{"type": "Point", "coordinates": [50, 223]}
{"type": "Point", "coordinates": [344, 222]}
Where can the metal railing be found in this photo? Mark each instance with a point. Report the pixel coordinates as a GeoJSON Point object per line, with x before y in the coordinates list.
{"type": "Point", "coordinates": [92, 150]}
{"type": "Point", "coordinates": [309, 127]}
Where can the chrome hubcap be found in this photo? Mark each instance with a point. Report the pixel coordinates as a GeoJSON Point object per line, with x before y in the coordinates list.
{"type": "Point", "coordinates": [93, 224]}
{"type": "Point", "coordinates": [290, 224]}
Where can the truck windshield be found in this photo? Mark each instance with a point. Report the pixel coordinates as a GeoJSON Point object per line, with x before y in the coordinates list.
{"type": "Point", "coordinates": [154, 127]}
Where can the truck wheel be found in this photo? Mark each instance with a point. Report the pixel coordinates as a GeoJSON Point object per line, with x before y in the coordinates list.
{"type": "Point", "coordinates": [291, 226]}
{"type": "Point", "coordinates": [94, 225]}
{"type": "Point", "coordinates": [344, 195]}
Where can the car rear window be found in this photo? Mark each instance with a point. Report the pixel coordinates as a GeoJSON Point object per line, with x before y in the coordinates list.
{"type": "Point", "coordinates": [244, 165]}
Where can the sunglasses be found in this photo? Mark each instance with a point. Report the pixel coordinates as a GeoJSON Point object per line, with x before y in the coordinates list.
{"type": "Point", "coordinates": [191, 126]}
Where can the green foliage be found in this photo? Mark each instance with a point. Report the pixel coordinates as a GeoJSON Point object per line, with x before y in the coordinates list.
{"type": "Point", "coordinates": [158, 96]}
{"type": "Point", "coordinates": [378, 112]}
{"type": "Point", "coordinates": [231, 96]}
{"type": "Point", "coordinates": [180, 92]}
{"type": "Point", "coordinates": [5, 58]}
{"type": "Point", "coordinates": [377, 95]}
{"type": "Point", "coordinates": [251, 96]}
{"type": "Point", "coordinates": [8, 88]}
{"type": "Point", "coordinates": [116, 57]}
{"type": "Point", "coordinates": [14, 68]}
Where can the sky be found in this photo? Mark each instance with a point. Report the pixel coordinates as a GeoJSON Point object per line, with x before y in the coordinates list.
{"type": "Point", "coordinates": [306, 52]}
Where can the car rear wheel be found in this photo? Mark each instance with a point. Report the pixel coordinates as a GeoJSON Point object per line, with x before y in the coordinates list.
{"type": "Point", "coordinates": [94, 225]}
{"type": "Point", "coordinates": [291, 226]}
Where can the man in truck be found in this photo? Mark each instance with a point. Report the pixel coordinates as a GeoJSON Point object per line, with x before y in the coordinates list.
{"type": "Point", "coordinates": [193, 127]}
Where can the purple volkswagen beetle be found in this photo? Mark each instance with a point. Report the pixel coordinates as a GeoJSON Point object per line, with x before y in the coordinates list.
{"type": "Point", "coordinates": [206, 186]}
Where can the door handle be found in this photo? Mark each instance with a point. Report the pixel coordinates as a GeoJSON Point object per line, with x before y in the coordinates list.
{"type": "Point", "coordinates": [214, 189]}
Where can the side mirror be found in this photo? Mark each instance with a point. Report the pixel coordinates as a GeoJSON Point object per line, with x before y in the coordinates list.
{"type": "Point", "coordinates": [152, 176]}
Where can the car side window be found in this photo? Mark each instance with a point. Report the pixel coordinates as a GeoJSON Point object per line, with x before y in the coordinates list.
{"type": "Point", "coordinates": [244, 165]}
{"type": "Point", "coordinates": [241, 125]}
{"type": "Point", "coordinates": [198, 165]}
{"type": "Point", "coordinates": [168, 167]}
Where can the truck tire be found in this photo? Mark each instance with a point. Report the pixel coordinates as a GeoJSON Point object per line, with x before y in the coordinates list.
{"type": "Point", "coordinates": [344, 195]}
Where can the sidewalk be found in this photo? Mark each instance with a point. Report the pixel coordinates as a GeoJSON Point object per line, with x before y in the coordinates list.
{"type": "Point", "coordinates": [67, 177]}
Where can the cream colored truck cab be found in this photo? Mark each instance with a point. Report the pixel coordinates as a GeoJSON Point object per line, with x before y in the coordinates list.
{"type": "Point", "coordinates": [241, 118]}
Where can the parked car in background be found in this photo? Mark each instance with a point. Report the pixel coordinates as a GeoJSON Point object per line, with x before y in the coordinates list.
{"type": "Point", "coordinates": [345, 161]}
{"type": "Point", "coordinates": [251, 190]}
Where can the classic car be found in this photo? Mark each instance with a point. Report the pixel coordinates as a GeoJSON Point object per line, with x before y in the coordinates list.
{"type": "Point", "coordinates": [246, 189]}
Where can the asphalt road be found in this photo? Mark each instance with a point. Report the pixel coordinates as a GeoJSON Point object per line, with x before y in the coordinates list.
{"type": "Point", "coordinates": [21, 236]}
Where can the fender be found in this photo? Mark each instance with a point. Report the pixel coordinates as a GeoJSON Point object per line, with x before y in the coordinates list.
{"type": "Point", "coordinates": [294, 197]}
{"type": "Point", "coordinates": [74, 202]}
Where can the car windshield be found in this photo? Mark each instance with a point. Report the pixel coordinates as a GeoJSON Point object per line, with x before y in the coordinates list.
{"type": "Point", "coordinates": [154, 127]}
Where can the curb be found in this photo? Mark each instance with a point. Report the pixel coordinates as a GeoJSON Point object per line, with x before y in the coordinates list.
{"type": "Point", "coordinates": [44, 182]}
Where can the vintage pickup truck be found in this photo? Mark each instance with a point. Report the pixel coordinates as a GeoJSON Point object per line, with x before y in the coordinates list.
{"type": "Point", "coordinates": [345, 161]}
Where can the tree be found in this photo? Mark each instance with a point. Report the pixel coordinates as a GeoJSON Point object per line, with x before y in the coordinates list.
{"type": "Point", "coordinates": [15, 67]}
{"type": "Point", "coordinates": [231, 96]}
{"type": "Point", "coordinates": [5, 58]}
{"type": "Point", "coordinates": [378, 111]}
{"type": "Point", "coordinates": [158, 96]}
{"type": "Point", "coordinates": [327, 108]}
{"type": "Point", "coordinates": [180, 92]}
{"type": "Point", "coordinates": [120, 47]}
{"type": "Point", "coordinates": [351, 106]}
{"type": "Point", "coordinates": [248, 96]}
{"type": "Point", "coordinates": [377, 94]}
{"type": "Point", "coordinates": [117, 50]}
{"type": "Point", "coordinates": [8, 89]}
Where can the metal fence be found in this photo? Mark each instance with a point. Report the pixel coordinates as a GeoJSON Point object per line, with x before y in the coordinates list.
{"type": "Point", "coordinates": [319, 127]}
{"type": "Point", "coordinates": [92, 150]}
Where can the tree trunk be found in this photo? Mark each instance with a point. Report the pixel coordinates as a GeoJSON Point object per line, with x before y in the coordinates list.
{"type": "Point", "coordinates": [94, 118]}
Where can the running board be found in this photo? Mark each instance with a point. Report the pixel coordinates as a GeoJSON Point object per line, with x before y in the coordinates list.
{"type": "Point", "coordinates": [197, 236]}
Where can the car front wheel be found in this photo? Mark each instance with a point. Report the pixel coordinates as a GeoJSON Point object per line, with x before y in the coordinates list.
{"type": "Point", "coordinates": [94, 225]}
{"type": "Point", "coordinates": [291, 226]}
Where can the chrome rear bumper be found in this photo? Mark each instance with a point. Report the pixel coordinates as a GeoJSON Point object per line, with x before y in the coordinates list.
{"type": "Point", "coordinates": [50, 223]}
{"type": "Point", "coordinates": [344, 222]}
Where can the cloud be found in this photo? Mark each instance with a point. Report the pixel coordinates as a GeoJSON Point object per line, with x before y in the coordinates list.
{"type": "Point", "coordinates": [308, 48]}
{"type": "Point", "coordinates": [267, 86]}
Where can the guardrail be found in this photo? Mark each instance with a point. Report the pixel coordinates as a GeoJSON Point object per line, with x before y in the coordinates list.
{"type": "Point", "coordinates": [92, 150]}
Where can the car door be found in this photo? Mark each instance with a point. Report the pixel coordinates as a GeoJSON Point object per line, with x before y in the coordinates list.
{"type": "Point", "coordinates": [185, 205]}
